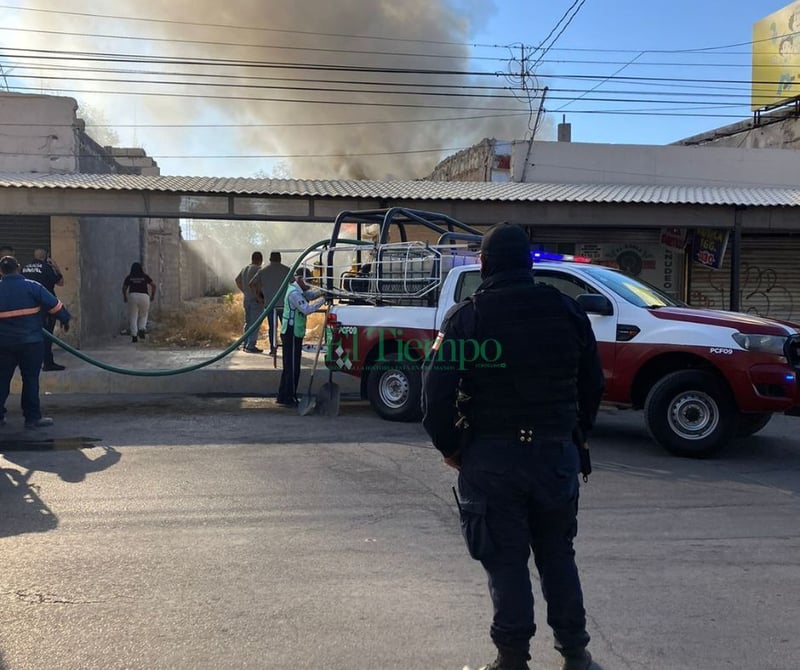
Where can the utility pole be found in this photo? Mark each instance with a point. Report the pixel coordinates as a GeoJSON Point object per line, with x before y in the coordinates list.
{"type": "Point", "coordinates": [522, 72]}
{"type": "Point", "coordinates": [3, 75]}
{"type": "Point", "coordinates": [533, 135]}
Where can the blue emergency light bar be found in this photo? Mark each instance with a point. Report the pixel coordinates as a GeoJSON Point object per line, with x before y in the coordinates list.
{"type": "Point", "coordinates": [538, 256]}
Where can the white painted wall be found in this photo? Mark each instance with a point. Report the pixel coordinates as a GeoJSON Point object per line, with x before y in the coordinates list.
{"type": "Point", "coordinates": [574, 162]}
{"type": "Point", "coordinates": [37, 133]}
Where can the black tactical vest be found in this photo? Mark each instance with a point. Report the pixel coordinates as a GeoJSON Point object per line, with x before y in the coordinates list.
{"type": "Point", "coordinates": [532, 382]}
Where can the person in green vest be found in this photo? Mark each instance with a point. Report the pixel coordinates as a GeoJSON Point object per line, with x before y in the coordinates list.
{"type": "Point", "coordinates": [296, 307]}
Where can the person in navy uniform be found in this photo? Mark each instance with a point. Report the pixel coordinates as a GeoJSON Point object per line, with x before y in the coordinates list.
{"type": "Point", "coordinates": [45, 271]}
{"type": "Point", "coordinates": [512, 387]}
{"type": "Point", "coordinates": [21, 346]}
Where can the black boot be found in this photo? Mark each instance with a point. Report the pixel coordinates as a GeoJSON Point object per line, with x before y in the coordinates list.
{"type": "Point", "coordinates": [579, 659]}
{"type": "Point", "coordinates": [508, 659]}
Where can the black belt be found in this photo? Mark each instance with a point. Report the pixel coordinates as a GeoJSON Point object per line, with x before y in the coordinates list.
{"type": "Point", "coordinates": [525, 434]}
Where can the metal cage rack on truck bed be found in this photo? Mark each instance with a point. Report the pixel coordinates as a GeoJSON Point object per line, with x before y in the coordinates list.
{"type": "Point", "coordinates": [393, 269]}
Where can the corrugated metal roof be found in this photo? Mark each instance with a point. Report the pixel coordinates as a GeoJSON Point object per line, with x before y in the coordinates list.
{"type": "Point", "coordinates": [756, 196]}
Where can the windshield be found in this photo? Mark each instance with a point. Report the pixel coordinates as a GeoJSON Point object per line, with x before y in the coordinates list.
{"type": "Point", "coordinates": [633, 290]}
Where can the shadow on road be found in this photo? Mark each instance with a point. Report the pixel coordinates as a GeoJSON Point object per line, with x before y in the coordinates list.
{"type": "Point", "coordinates": [770, 458]}
{"type": "Point", "coordinates": [24, 511]}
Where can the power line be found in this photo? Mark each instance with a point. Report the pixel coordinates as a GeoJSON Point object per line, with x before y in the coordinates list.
{"type": "Point", "coordinates": [600, 83]}
{"type": "Point", "coordinates": [20, 65]}
{"type": "Point", "coordinates": [326, 67]}
{"type": "Point", "coordinates": [447, 119]}
{"type": "Point", "coordinates": [350, 51]}
{"type": "Point", "coordinates": [311, 101]}
{"type": "Point", "coordinates": [93, 16]}
{"type": "Point", "coordinates": [265, 87]}
{"type": "Point", "coordinates": [171, 40]}
{"type": "Point", "coordinates": [257, 156]}
{"type": "Point", "coordinates": [628, 80]}
{"type": "Point", "coordinates": [654, 114]}
{"type": "Point", "coordinates": [654, 64]}
{"type": "Point", "coordinates": [161, 73]}
{"type": "Point", "coordinates": [399, 105]}
{"type": "Point", "coordinates": [420, 87]}
{"type": "Point", "coordinates": [558, 23]}
{"type": "Point", "coordinates": [256, 28]}
{"type": "Point", "coordinates": [41, 54]}
{"type": "Point", "coordinates": [580, 4]}
{"type": "Point", "coordinates": [639, 97]}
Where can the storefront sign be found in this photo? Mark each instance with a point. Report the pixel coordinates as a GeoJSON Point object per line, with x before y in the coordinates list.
{"type": "Point", "coordinates": [708, 247]}
{"type": "Point", "coordinates": [674, 238]}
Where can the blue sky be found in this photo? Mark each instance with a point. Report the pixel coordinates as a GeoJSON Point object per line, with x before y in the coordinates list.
{"type": "Point", "coordinates": [642, 26]}
{"type": "Point", "coordinates": [227, 133]}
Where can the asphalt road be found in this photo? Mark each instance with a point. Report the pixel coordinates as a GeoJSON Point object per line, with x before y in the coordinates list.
{"type": "Point", "coordinates": [193, 533]}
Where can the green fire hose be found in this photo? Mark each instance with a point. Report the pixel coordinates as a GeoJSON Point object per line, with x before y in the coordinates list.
{"type": "Point", "coordinates": [233, 347]}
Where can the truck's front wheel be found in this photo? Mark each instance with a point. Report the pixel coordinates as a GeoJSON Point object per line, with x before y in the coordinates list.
{"type": "Point", "coordinates": [394, 389]}
{"type": "Point", "coordinates": [690, 413]}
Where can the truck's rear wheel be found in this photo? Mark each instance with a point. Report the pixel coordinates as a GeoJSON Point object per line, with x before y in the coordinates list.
{"type": "Point", "coordinates": [394, 389]}
{"type": "Point", "coordinates": [750, 424]}
{"type": "Point", "coordinates": [690, 413]}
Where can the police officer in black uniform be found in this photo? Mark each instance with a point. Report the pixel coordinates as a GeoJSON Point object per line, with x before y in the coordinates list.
{"type": "Point", "coordinates": [510, 391]}
{"type": "Point", "coordinates": [44, 270]}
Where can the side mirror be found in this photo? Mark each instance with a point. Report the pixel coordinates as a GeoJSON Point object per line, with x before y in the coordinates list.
{"type": "Point", "coordinates": [594, 303]}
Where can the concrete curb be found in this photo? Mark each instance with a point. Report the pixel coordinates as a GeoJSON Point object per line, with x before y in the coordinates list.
{"type": "Point", "coordinates": [239, 373]}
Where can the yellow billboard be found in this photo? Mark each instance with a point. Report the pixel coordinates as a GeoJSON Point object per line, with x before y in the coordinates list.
{"type": "Point", "coordinates": [776, 57]}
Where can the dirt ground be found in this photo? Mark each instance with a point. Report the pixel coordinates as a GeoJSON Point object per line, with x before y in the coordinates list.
{"type": "Point", "coordinates": [213, 322]}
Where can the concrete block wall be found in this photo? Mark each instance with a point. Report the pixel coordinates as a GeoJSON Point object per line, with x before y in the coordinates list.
{"type": "Point", "coordinates": [38, 133]}
{"type": "Point", "coordinates": [784, 134]}
{"type": "Point", "coordinates": [135, 159]}
{"type": "Point", "coordinates": [106, 247]}
{"type": "Point", "coordinates": [64, 250]}
{"type": "Point", "coordinates": [162, 260]}
{"type": "Point", "coordinates": [473, 164]}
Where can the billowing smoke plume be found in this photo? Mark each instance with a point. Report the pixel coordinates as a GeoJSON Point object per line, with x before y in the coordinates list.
{"type": "Point", "coordinates": [362, 95]}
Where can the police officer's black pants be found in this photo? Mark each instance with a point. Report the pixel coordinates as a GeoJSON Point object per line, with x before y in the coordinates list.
{"type": "Point", "coordinates": [516, 497]}
{"type": "Point", "coordinates": [290, 377]}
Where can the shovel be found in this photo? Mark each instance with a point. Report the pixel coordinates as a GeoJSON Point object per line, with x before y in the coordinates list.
{"type": "Point", "coordinates": [328, 398]}
{"type": "Point", "coordinates": [275, 338]}
{"type": "Point", "coordinates": [309, 402]}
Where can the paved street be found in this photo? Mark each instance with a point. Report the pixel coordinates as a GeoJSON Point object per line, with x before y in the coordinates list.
{"type": "Point", "coordinates": [180, 532]}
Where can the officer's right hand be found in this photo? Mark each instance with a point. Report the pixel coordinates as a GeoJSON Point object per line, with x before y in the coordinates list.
{"type": "Point", "coordinates": [454, 460]}
{"type": "Point", "coordinates": [65, 326]}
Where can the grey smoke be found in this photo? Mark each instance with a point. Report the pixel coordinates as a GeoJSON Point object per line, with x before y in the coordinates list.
{"type": "Point", "coordinates": [433, 20]}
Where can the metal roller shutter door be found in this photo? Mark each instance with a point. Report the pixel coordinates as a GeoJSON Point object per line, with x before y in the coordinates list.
{"type": "Point", "coordinates": [25, 233]}
{"type": "Point", "coordinates": [769, 279]}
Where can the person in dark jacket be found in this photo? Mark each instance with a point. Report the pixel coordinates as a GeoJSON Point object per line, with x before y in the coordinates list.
{"type": "Point", "coordinates": [264, 286]}
{"type": "Point", "coordinates": [513, 377]}
{"type": "Point", "coordinates": [250, 301]}
{"type": "Point", "coordinates": [138, 292]}
{"type": "Point", "coordinates": [45, 271]}
{"type": "Point", "coordinates": [21, 346]}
